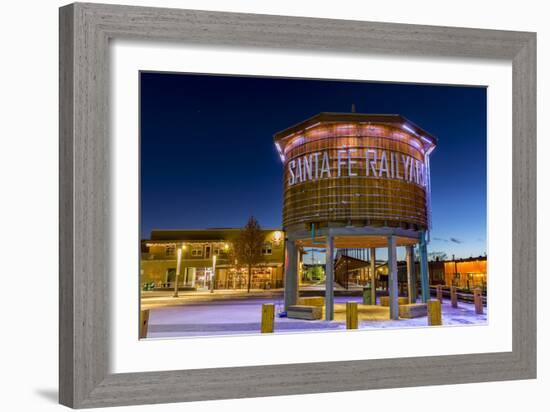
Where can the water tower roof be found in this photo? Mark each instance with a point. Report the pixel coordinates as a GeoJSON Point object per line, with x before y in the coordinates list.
{"type": "Point", "coordinates": [396, 120]}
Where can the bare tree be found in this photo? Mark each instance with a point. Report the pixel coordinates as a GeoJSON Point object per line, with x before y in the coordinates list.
{"type": "Point", "coordinates": [248, 246]}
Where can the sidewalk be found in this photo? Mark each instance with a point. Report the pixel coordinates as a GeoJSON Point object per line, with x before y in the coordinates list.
{"type": "Point", "coordinates": [215, 317]}
{"type": "Point", "coordinates": [153, 299]}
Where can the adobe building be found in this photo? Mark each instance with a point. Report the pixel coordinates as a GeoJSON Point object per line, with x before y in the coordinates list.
{"type": "Point", "coordinates": [206, 257]}
{"type": "Point", "coordinates": [465, 273]}
{"type": "Point", "coordinates": [358, 181]}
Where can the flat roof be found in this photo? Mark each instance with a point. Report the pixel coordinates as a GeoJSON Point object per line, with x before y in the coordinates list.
{"type": "Point", "coordinates": [198, 234]}
{"type": "Point", "coordinates": [332, 117]}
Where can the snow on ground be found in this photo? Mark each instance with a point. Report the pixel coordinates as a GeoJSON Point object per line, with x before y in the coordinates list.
{"type": "Point", "coordinates": [232, 317]}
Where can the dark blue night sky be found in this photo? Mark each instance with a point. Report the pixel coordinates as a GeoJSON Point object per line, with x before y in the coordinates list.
{"type": "Point", "coordinates": [208, 159]}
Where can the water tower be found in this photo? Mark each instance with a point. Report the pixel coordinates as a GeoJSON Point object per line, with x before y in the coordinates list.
{"type": "Point", "coordinates": [355, 180]}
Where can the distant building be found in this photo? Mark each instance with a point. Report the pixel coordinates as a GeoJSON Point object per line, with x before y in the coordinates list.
{"type": "Point", "coordinates": [466, 273]}
{"type": "Point", "coordinates": [352, 268]}
{"type": "Point", "coordinates": [199, 246]}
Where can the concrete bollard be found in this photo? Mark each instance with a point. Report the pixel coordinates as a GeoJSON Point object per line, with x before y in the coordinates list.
{"type": "Point", "coordinates": [367, 295]}
{"type": "Point", "coordinates": [268, 317]}
{"type": "Point", "coordinates": [402, 300]}
{"type": "Point", "coordinates": [143, 323]}
{"type": "Point", "coordinates": [439, 292]}
{"type": "Point", "coordinates": [454, 297]}
{"type": "Point", "coordinates": [434, 312]}
{"type": "Point", "coordinates": [352, 318]}
{"type": "Point", "coordinates": [478, 301]}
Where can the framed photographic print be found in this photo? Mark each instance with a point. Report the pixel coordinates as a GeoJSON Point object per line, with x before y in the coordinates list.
{"type": "Point", "coordinates": [268, 205]}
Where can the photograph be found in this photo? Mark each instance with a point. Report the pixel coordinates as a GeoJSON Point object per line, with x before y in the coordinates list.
{"type": "Point", "coordinates": [292, 205]}
{"type": "Point", "coordinates": [275, 205]}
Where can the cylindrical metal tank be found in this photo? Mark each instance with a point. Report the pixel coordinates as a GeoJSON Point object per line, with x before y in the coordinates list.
{"type": "Point", "coordinates": [355, 169]}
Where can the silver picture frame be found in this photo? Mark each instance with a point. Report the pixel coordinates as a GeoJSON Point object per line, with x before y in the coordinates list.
{"type": "Point", "coordinates": [84, 358]}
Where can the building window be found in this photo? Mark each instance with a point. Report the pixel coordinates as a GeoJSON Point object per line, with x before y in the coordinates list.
{"type": "Point", "coordinates": [196, 252]}
{"type": "Point", "coordinates": [170, 250]}
{"type": "Point", "coordinates": [221, 249]}
{"type": "Point", "coordinates": [266, 249]}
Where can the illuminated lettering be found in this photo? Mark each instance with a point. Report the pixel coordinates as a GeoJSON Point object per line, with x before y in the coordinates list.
{"type": "Point", "coordinates": [299, 175]}
{"type": "Point", "coordinates": [377, 163]}
{"type": "Point", "coordinates": [340, 162]}
{"type": "Point", "coordinates": [370, 166]}
{"type": "Point", "coordinates": [397, 175]}
{"type": "Point", "coordinates": [383, 165]}
{"type": "Point", "coordinates": [351, 162]}
{"type": "Point", "coordinates": [316, 164]}
{"type": "Point", "coordinates": [406, 160]}
{"type": "Point", "coordinates": [325, 166]}
{"type": "Point", "coordinates": [307, 168]}
{"type": "Point", "coordinates": [291, 178]}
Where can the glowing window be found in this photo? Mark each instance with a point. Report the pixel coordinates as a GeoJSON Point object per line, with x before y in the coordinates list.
{"type": "Point", "coordinates": [267, 249]}
{"type": "Point", "coordinates": [170, 250]}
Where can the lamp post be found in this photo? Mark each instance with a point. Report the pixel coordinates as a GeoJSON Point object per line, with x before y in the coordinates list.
{"type": "Point", "coordinates": [178, 266]}
{"type": "Point", "coordinates": [235, 274]}
{"type": "Point", "coordinates": [213, 274]}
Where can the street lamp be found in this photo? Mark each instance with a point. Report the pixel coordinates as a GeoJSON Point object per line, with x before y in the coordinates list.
{"type": "Point", "coordinates": [178, 266]}
{"type": "Point", "coordinates": [213, 274]}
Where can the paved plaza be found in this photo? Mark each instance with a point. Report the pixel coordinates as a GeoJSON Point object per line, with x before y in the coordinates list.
{"type": "Point", "coordinates": [205, 314]}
